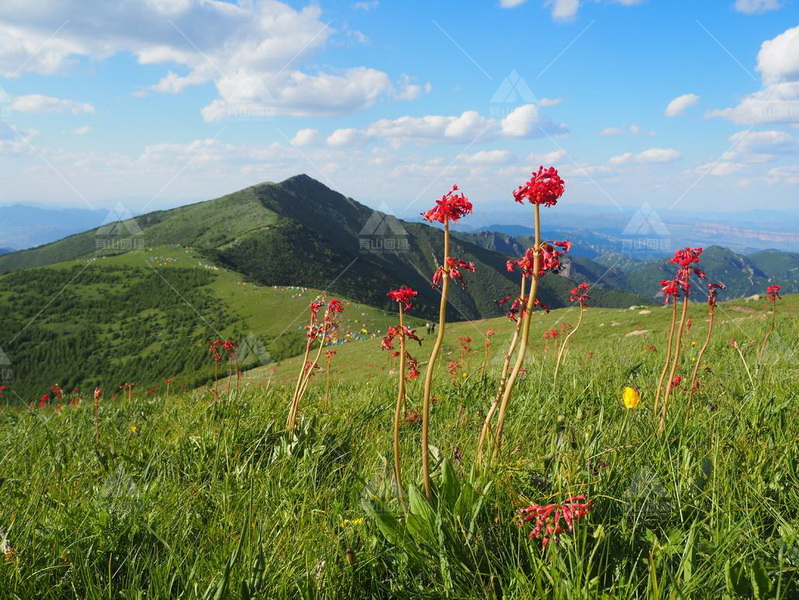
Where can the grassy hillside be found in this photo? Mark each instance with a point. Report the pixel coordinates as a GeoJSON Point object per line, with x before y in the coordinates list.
{"type": "Point", "coordinates": [184, 497]}
{"type": "Point", "coordinates": [144, 317]}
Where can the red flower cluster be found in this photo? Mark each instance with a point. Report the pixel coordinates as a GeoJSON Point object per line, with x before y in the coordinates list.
{"type": "Point", "coordinates": [453, 268]}
{"type": "Point", "coordinates": [580, 294]}
{"type": "Point", "coordinates": [545, 187]}
{"type": "Point", "coordinates": [217, 346]}
{"type": "Point", "coordinates": [686, 259]}
{"type": "Point", "coordinates": [773, 292]}
{"type": "Point", "coordinates": [315, 328]}
{"type": "Point", "coordinates": [550, 519]}
{"type": "Point", "coordinates": [412, 365]}
{"type": "Point", "coordinates": [551, 334]}
{"type": "Point", "coordinates": [550, 259]}
{"type": "Point", "coordinates": [394, 331]}
{"type": "Point", "coordinates": [403, 296]}
{"type": "Point", "coordinates": [713, 292]}
{"type": "Point", "coordinates": [451, 207]}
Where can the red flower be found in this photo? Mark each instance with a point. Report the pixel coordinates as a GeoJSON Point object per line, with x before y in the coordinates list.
{"type": "Point", "coordinates": [676, 381]}
{"type": "Point", "coordinates": [451, 207]}
{"type": "Point", "coordinates": [335, 307]}
{"type": "Point", "coordinates": [413, 366]}
{"type": "Point", "coordinates": [551, 334]}
{"type": "Point", "coordinates": [545, 187]}
{"type": "Point", "coordinates": [713, 292]}
{"type": "Point", "coordinates": [453, 268]}
{"type": "Point", "coordinates": [773, 292]}
{"type": "Point", "coordinates": [686, 256]}
{"type": "Point", "coordinates": [541, 305]}
{"type": "Point", "coordinates": [394, 331]}
{"type": "Point", "coordinates": [403, 296]}
{"type": "Point", "coordinates": [548, 518]}
{"type": "Point", "coordinates": [580, 294]}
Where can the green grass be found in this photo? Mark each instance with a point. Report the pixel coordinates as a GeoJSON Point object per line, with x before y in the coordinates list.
{"type": "Point", "coordinates": [207, 499]}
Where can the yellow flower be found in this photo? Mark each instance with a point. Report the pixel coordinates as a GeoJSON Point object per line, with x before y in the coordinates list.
{"type": "Point", "coordinates": [134, 430]}
{"type": "Point", "coordinates": [693, 342]}
{"type": "Point", "coordinates": [348, 522]}
{"type": "Point", "coordinates": [464, 374]}
{"type": "Point", "coordinates": [631, 397]}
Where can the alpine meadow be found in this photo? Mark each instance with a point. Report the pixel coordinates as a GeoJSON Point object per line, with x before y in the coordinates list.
{"type": "Point", "coordinates": [548, 349]}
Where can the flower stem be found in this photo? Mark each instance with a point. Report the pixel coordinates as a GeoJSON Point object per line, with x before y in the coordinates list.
{"type": "Point", "coordinates": [428, 377]}
{"type": "Point", "coordinates": [565, 343]}
{"type": "Point", "coordinates": [674, 364]}
{"type": "Point", "coordinates": [502, 381]}
{"type": "Point", "coordinates": [712, 314]}
{"type": "Point", "coordinates": [769, 332]}
{"type": "Point", "coordinates": [525, 336]}
{"type": "Point", "coordinates": [668, 357]}
{"type": "Point", "coordinates": [398, 413]}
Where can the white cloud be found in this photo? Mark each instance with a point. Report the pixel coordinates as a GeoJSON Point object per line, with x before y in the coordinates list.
{"type": "Point", "coordinates": [527, 122]}
{"type": "Point", "coordinates": [566, 10]}
{"type": "Point", "coordinates": [344, 137]}
{"type": "Point", "coordinates": [756, 6]}
{"type": "Point", "coordinates": [546, 102]}
{"type": "Point", "coordinates": [490, 157]}
{"type": "Point", "coordinates": [777, 101]}
{"type": "Point", "coordinates": [306, 137]}
{"type": "Point", "coordinates": [764, 142]}
{"type": "Point", "coordinates": [82, 130]}
{"type": "Point", "coordinates": [653, 156]}
{"type": "Point", "coordinates": [266, 40]}
{"type": "Point", "coordinates": [365, 5]}
{"type": "Point", "coordinates": [36, 103]}
{"type": "Point", "coordinates": [680, 104]}
{"type": "Point", "coordinates": [631, 130]}
{"type": "Point", "coordinates": [511, 3]}
{"type": "Point", "coordinates": [550, 158]}
{"type": "Point", "coordinates": [430, 128]}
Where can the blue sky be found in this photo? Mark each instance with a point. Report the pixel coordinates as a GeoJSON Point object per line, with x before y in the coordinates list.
{"type": "Point", "coordinates": [685, 105]}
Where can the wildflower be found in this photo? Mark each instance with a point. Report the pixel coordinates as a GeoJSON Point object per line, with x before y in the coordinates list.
{"type": "Point", "coordinates": [548, 518]}
{"type": "Point", "coordinates": [453, 269]}
{"type": "Point", "coordinates": [773, 292]}
{"type": "Point", "coordinates": [713, 292]}
{"type": "Point", "coordinates": [456, 455]}
{"type": "Point", "coordinates": [631, 397]}
{"type": "Point", "coordinates": [580, 294]}
{"type": "Point", "coordinates": [451, 207]}
{"type": "Point", "coordinates": [545, 187]}
{"type": "Point", "coordinates": [676, 381]}
{"type": "Point", "coordinates": [403, 296]}
{"type": "Point", "coordinates": [133, 430]}
{"type": "Point", "coordinates": [464, 375]}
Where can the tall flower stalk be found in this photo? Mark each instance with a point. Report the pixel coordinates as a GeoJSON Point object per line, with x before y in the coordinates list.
{"type": "Point", "coordinates": [712, 300]}
{"type": "Point", "coordinates": [544, 188]}
{"type": "Point", "coordinates": [402, 297]}
{"type": "Point", "coordinates": [452, 207]}
{"type": "Point", "coordinates": [578, 294]}
{"type": "Point", "coordinates": [685, 259]}
{"type": "Point", "coordinates": [773, 294]}
{"type": "Point", "coordinates": [97, 394]}
{"type": "Point", "coordinates": [329, 354]}
{"type": "Point", "coordinates": [514, 341]}
{"type": "Point", "coordinates": [317, 330]}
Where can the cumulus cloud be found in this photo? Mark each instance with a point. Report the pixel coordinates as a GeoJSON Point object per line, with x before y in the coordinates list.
{"type": "Point", "coordinates": [306, 137]}
{"type": "Point", "coordinates": [526, 121]}
{"type": "Point", "coordinates": [202, 42]}
{"type": "Point", "coordinates": [490, 157]}
{"type": "Point", "coordinates": [36, 103]}
{"type": "Point", "coordinates": [566, 10]}
{"type": "Point", "coordinates": [631, 130]}
{"type": "Point", "coordinates": [511, 3]}
{"type": "Point", "coordinates": [777, 101]}
{"type": "Point", "coordinates": [751, 7]}
{"type": "Point", "coordinates": [680, 104]}
{"type": "Point", "coordinates": [365, 5]}
{"type": "Point", "coordinates": [653, 156]}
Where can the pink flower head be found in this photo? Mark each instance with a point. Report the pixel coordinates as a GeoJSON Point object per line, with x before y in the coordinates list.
{"type": "Point", "coordinates": [686, 256]}
{"type": "Point", "coordinates": [553, 519]}
{"type": "Point", "coordinates": [773, 292]}
{"type": "Point", "coordinates": [545, 187]}
{"type": "Point", "coordinates": [403, 296]}
{"type": "Point", "coordinates": [451, 207]}
{"type": "Point", "coordinates": [335, 307]}
{"type": "Point", "coordinates": [453, 268]}
{"type": "Point", "coordinates": [580, 294]}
